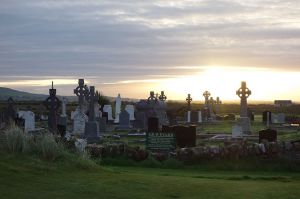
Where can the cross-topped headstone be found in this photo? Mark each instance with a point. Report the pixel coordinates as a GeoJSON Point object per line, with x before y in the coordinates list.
{"type": "Point", "coordinates": [52, 104]}
{"type": "Point", "coordinates": [218, 103]}
{"type": "Point", "coordinates": [206, 95]}
{"type": "Point", "coordinates": [82, 92]}
{"type": "Point", "coordinates": [92, 99]}
{"type": "Point", "coordinates": [189, 100]}
{"type": "Point", "coordinates": [152, 97]}
{"type": "Point", "coordinates": [162, 96]}
{"type": "Point", "coordinates": [243, 93]}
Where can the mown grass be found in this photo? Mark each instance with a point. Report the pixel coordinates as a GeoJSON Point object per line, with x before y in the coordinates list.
{"type": "Point", "coordinates": [29, 177]}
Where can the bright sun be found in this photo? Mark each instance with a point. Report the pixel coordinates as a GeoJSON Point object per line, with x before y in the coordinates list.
{"type": "Point", "coordinates": [224, 81]}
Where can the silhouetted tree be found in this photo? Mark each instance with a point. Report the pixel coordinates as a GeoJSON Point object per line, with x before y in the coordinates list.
{"type": "Point", "coordinates": [102, 100]}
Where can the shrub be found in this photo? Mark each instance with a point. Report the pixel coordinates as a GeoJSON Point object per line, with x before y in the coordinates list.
{"type": "Point", "coordinates": [47, 147]}
{"type": "Point", "coordinates": [16, 140]}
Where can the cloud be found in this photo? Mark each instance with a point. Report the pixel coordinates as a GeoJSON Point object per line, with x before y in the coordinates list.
{"type": "Point", "coordinates": [119, 41]}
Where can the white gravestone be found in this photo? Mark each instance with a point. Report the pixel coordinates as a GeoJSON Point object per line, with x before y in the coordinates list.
{"type": "Point", "coordinates": [118, 108]}
{"type": "Point", "coordinates": [199, 117]}
{"type": "Point", "coordinates": [189, 116]}
{"type": "Point", "coordinates": [108, 110]}
{"type": "Point", "coordinates": [63, 107]}
{"type": "Point", "coordinates": [130, 110]}
{"type": "Point", "coordinates": [29, 118]}
{"type": "Point", "coordinates": [79, 120]}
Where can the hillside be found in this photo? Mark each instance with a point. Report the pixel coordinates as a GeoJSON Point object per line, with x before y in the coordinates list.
{"type": "Point", "coordinates": [5, 93]}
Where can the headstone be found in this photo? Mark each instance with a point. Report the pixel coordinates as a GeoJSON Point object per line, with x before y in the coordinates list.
{"type": "Point", "coordinates": [185, 135]}
{"type": "Point", "coordinates": [10, 113]}
{"type": "Point", "coordinates": [199, 117]}
{"type": "Point", "coordinates": [160, 142]}
{"type": "Point", "coordinates": [162, 96]}
{"type": "Point", "coordinates": [153, 124]}
{"type": "Point", "coordinates": [250, 114]}
{"type": "Point", "coordinates": [237, 131]}
{"type": "Point", "coordinates": [124, 120]}
{"type": "Point", "coordinates": [189, 117]}
{"type": "Point", "coordinates": [140, 121]}
{"type": "Point", "coordinates": [102, 124]}
{"type": "Point", "coordinates": [194, 117]}
{"type": "Point", "coordinates": [218, 105]}
{"type": "Point", "coordinates": [130, 110]}
{"type": "Point", "coordinates": [245, 123]}
{"type": "Point", "coordinates": [118, 108]}
{"type": "Point", "coordinates": [91, 130]}
{"type": "Point", "coordinates": [29, 118]}
{"type": "Point", "coordinates": [62, 120]}
{"type": "Point", "coordinates": [267, 117]}
{"type": "Point", "coordinates": [79, 120]}
{"type": "Point", "coordinates": [268, 135]}
{"type": "Point", "coordinates": [278, 118]}
{"type": "Point", "coordinates": [82, 92]}
{"type": "Point", "coordinates": [243, 93]}
{"type": "Point", "coordinates": [211, 108]}
{"type": "Point", "coordinates": [64, 107]}
{"type": "Point", "coordinates": [52, 104]}
{"type": "Point", "coordinates": [206, 95]}
{"type": "Point", "coordinates": [108, 109]}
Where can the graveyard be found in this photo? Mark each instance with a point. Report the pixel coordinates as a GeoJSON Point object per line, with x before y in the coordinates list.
{"type": "Point", "coordinates": [128, 146]}
{"type": "Point", "coordinates": [150, 99]}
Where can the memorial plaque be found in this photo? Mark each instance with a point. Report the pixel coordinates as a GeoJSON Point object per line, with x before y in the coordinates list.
{"type": "Point", "coordinates": [160, 142]}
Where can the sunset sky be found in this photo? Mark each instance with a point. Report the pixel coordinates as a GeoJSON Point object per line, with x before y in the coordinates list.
{"type": "Point", "coordinates": [132, 47]}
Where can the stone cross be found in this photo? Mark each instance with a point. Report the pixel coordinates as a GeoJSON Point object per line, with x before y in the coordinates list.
{"type": "Point", "coordinates": [243, 93]}
{"type": "Point", "coordinates": [211, 105]}
{"type": "Point", "coordinates": [218, 102]}
{"type": "Point", "coordinates": [152, 97]}
{"type": "Point", "coordinates": [92, 99]}
{"type": "Point", "coordinates": [162, 96]}
{"type": "Point", "coordinates": [206, 95]}
{"type": "Point", "coordinates": [189, 100]}
{"type": "Point", "coordinates": [81, 91]}
{"type": "Point", "coordinates": [52, 104]}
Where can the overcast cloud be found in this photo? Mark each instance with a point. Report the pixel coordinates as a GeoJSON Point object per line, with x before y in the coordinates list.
{"type": "Point", "coordinates": [115, 41]}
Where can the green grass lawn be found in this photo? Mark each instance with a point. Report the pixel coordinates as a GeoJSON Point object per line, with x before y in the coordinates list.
{"type": "Point", "coordinates": [27, 177]}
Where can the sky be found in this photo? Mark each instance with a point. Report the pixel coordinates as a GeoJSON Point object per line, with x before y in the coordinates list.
{"type": "Point", "coordinates": [133, 47]}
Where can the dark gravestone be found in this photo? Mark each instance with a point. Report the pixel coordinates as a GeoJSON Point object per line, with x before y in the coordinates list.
{"type": "Point", "coordinates": [105, 115]}
{"type": "Point", "coordinates": [20, 122]}
{"type": "Point", "coordinates": [185, 135]}
{"type": "Point", "coordinates": [52, 104]}
{"type": "Point", "coordinates": [140, 120]}
{"type": "Point", "coordinates": [268, 135]}
{"type": "Point", "coordinates": [250, 114]}
{"type": "Point", "coordinates": [91, 130]}
{"type": "Point", "coordinates": [10, 113]}
{"type": "Point", "coordinates": [205, 114]}
{"type": "Point", "coordinates": [61, 130]}
{"type": "Point", "coordinates": [194, 117]}
{"type": "Point", "coordinates": [124, 120]}
{"type": "Point", "coordinates": [265, 116]}
{"type": "Point", "coordinates": [102, 124]}
{"type": "Point", "coordinates": [153, 124]}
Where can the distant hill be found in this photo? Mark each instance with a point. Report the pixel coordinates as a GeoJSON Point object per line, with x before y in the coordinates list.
{"type": "Point", "coordinates": [5, 93]}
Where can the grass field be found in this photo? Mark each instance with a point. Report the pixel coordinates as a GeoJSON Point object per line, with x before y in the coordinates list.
{"type": "Point", "coordinates": [28, 177]}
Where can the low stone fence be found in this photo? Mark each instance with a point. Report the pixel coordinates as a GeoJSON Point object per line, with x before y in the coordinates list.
{"type": "Point", "coordinates": [232, 151]}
